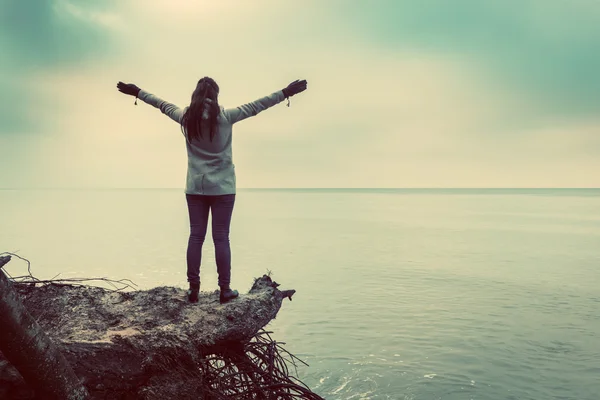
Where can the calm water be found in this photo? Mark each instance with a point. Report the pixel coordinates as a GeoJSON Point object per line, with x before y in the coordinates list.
{"type": "Point", "coordinates": [413, 294]}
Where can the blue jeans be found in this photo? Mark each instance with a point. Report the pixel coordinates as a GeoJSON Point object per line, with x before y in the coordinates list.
{"type": "Point", "coordinates": [221, 208]}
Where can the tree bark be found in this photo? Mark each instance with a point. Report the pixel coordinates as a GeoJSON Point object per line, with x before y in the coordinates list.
{"type": "Point", "coordinates": [146, 344]}
{"type": "Point", "coordinates": [26, 346]}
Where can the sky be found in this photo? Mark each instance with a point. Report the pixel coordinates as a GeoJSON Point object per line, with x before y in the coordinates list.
{"type": "Point", "coordinates": [401, 93]}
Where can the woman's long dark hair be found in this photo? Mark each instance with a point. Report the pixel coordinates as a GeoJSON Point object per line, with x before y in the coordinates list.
{"type": "Point", "coordinates": [203, 111]}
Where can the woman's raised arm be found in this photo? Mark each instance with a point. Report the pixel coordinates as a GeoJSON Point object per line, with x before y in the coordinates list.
{"type": "Point", "coordinates": [251, 109]}
{"type": "Point", "coordinates": [169, 109]}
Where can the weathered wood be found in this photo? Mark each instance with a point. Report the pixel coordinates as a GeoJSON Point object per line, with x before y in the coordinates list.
{"type": "Point", "coordinates": [30, 350]}
{"type": "Point", "coordinates": [147, 344]}
{"type": "Point", "coordinates": [4, 260]}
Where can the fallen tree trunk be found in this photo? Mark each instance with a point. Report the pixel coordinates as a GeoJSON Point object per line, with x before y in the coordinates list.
{"type": "Point", "coordinates": [147, 344]}
{"type": "Point", "coordinates": [31, 351]}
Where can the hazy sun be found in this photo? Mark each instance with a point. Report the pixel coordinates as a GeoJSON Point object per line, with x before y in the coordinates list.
{"type": "Point", "coordinates": [186, 9]}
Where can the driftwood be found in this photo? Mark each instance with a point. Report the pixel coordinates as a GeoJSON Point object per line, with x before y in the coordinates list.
{"type": "Point", "coordinates": [31, 351]}
{"type": "Point", "coordinates": [154, 344]}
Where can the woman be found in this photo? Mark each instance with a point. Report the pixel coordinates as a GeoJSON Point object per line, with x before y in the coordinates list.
{"type": "Point", "coordinates": [210, 182]}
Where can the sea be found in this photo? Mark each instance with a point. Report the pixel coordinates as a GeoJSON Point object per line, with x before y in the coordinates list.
{"type": "Point", "coordinates": [487, 294]}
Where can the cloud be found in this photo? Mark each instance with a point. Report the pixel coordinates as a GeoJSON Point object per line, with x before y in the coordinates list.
{"type": "Point", "coordinates": [53, 33]}
{"type": "Point", "coordinates": [43, 36]}
{"type": "Point", "coordinates": [547, 47]}
{"type": "Point", "coordinates": [400, 93]}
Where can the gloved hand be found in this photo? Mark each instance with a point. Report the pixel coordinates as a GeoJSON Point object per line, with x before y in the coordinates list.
{"type": "Point", "coordinates": [128, 88]}
{"type": "Point", "coordinates": [294, 88]}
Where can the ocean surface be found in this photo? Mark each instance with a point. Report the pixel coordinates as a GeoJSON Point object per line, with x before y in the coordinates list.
{"type": "Point", "coordinates": [401, 294]}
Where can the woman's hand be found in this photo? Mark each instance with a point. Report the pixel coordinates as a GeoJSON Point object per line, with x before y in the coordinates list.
{"type": "Point", "coordinates": [295, 87]}
{"type": "Point", "coordinates": [128, 88]}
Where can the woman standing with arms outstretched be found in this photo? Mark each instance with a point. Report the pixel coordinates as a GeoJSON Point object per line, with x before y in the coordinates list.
{"type": "Point", "coordinates": [210, 185]}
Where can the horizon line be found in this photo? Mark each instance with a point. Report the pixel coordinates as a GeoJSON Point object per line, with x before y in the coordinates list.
{"type": "Point", "coordinates": [308, 188]}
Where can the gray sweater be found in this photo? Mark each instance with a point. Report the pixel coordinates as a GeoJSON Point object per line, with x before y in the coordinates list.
{"type": "Point", "coordinates": [210, 165]}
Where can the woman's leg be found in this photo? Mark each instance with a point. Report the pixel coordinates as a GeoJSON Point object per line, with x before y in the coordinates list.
{"type": "Point", "coordinates": [222, 209]}
{"type": "Point", "coordinates": [198, 207]}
